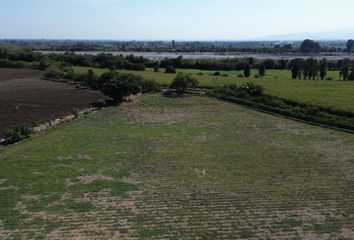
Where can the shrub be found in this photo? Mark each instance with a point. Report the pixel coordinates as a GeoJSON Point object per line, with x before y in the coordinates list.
{"type": "Point", "coordinates": [329, 79]}
{"type": "Point", "coordinates": [76, 112]}
{"type": "Point", "coordinates": [183, 81]}
{"type": "Point", "coordinates": [200, 74]}
{"type": "Point", "coordinates": [156, 69]}
{"type": "Point", "coordinates": [118, 86]}
{"type": "Point", "coordinates": [252, 89]}
{"type": "Point", "coordinates": [217, 74]}
{"type": "Point", "coordinates": [240, 75]}
{"type": "Point", "coordinates": [150, 86]}
{"type": "Point", "coordinates": [170, 69]}
{"type": "Point", "coordinates": [225, 75]}
{"type": "Point", "coordinates": [16, 134]}
{"type": "Point", "coordinates": [53, 74]}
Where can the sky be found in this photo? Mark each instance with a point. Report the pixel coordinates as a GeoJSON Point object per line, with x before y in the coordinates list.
{"type": "Point", "coordinates": [171, 19]}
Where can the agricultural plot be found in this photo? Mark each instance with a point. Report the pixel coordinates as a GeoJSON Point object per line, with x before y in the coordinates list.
{"type": "Point", "coordinates": [26, 99]}
{"type": "Point", "coordinates": [179, 168]}
{"type": "Point", "coordinates": [334, 94]}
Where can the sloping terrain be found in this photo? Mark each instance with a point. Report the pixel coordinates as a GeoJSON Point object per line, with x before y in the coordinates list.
{"type": "Point", "coordinates": [179, 168]}
{"type": "Point", "coordinates": [27, 99]}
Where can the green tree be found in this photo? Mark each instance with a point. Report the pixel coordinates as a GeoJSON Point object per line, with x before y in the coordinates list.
{"type": "Point", "coordinates": [247, 71]}
{"type": "Point", "coordinates": [261, 70]}
{"type": "Point", "coordinates": [183, 81]}
{"type": "Point", "coordinates": [344, 72]}
{"type": "Point", "coordinates": [118, 86]}
{"type": "Point", "coordinates": [350, 45]}
{"type": "Point", "coordinates": [309, 46]}
{"type": "Point", "coordinates": [323, 68]}
{"type": "Point", "coordinates": [170, 69]}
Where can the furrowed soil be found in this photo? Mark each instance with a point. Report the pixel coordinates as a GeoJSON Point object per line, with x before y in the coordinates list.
{"type": "Point", "coordinates": [27, 99]}
{"type": "Point", "coordinates": [179, 168]}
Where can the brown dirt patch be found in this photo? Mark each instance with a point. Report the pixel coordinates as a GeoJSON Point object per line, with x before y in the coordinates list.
{"type": "Point", "coordinates": [27, 99]}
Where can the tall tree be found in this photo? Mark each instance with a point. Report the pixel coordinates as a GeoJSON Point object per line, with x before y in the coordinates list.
{"type": "Point", "coordinates": [323, 68]}
{"type": "Point", "coordinates": [350, 45]}
{"type": "Point", "coordinates": [261, 70]}
{"type": "Point", "coordinates": [247, 71]}
{"type": "Point", "coordinates": [310, 46]}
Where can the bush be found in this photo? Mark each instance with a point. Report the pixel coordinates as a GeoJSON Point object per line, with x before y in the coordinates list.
{"type": "Point", "coordinates": [150, 86]}
{"type": "Point", "coordinates": [217, 74]}
{"type": "Point", "coordinates": [240, 76]}
{"type": "Point", "coordinates": [225, 75]}
{"type": "Point", "coordinates": [118, 86]}
{"type": "Point", "coordinates": [16, 134]}
{"type": "Point", "coordinates": [252, 89]}
{"type": "Point", "coordinates": [329, 79]}
{"type": "Point", "coordinates": [76, 112]}
{"type": "Point", "coordinates": [183, 81]}
{"type": "Point", "coordinates": [170, 69]}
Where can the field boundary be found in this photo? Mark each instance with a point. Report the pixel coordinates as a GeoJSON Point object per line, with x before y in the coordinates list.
{"type": "Point", "coordinates": [286, 115]}
{"type": "Point", "coordinates": [272, 111]}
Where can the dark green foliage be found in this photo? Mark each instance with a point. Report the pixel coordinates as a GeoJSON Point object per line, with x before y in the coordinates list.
{"type": "Point", "coordinates": [183, 81]}
{"type": "Point", "coordinates": [344, 72]}
{"type": "Point", "coordinates": [170, 69]}
{"type": "Point", "coordinates": [150, 86]}
{"type": "Point", "coordinates": [323, 69]}
{"type": "Point", "coordinates": [350, 45]}
{"type": "Point", "coordinates": [217, 74]}
{"type": "Point", "coordinates": [310, 46]}
{"type": "Point", "coordinates": [252, 89]}
{"type": "Point", "coordinates": [118, 85]}
{"type": "Point", "coordinates": [16, 134]}
{"type": "Point", "coordinates": [242, 91]}
{"type": "Point", "coordinates": [261, 70]}
{"type": "Point", "coordinates": [247, 71]}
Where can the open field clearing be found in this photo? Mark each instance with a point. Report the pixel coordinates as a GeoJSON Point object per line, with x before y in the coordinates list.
{"type": "Point", "coordinates": [26, 99]}
{"type": "Point", "coordinates": [179, 168]}
{"type": "Point", "coordinates": [335, 94]}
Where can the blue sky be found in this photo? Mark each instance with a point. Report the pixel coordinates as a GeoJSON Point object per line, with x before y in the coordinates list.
{"type": "Point", "coordinates": [171, 19]}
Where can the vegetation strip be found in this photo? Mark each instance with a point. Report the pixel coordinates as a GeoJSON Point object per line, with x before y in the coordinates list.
{"type": "Point", "coordinates": [252, 95]}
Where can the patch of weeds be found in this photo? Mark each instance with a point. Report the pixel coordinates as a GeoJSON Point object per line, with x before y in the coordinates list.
{"type": "Point", "coordinates": [11, 219]}
{"type": "Point", "coordinates": [245, 233]}
{"type": "Point", "coordinates": [208, 235]}
{"type": "Point", "coordinates": [290, 223]}
{"type": "Point", "coordinates": [79, 206]}
{"type": "Point", "coordinates": [331, 225]}
{"type": "Point", "coordinates": [118, 188]}
{"type": "Point", "coordinates": [151, 233]}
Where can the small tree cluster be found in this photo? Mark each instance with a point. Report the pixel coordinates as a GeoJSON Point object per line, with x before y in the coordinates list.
{"type": "Point", "coordinates": [308, 69]}
{"type": "Point", "coordinates": [183, 81]}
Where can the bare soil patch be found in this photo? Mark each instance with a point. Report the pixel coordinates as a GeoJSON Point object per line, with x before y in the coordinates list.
{"type": "Point", "coordinates": [27, 99]}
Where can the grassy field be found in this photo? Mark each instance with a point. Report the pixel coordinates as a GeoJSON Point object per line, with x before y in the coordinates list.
{"type": "Point", "coordinates": [334, 94]}
{"type": "Point", "coordinates": [179, 168]}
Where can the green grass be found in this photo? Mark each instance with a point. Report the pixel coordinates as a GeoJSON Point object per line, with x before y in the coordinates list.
{"type": "Point", "coordinates": [334, 94]}
{"type": "Point", "coordinates": [178, 168]}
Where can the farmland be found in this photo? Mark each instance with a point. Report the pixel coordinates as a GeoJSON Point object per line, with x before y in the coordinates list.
{"type": "Point", "coordinates": [179, 168]}
{"type": "Point", "coordinates": [335, 94]}
{"type": "Point", "coordinates": [26, 99]}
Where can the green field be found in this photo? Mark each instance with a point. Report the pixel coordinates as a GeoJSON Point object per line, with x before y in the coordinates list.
{"type": "Point", "coordinates": [335, 94]}
{"type": "Point", "coordinates": [179, 168]}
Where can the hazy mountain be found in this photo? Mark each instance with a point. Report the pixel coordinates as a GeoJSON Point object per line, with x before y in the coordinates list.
{"type": "Point", "coordinates": [328, 35]}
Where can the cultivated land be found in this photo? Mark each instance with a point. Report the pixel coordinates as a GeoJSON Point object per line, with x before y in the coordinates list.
{"type": "Point", "coordinates": [26, 99]}
{"type": "Point", "coordinates": [335, 94]}
{"type": "Point", "coordinates": [179, 168]}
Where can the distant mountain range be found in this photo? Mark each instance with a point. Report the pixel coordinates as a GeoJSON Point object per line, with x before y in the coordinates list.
{"type": "Point", "coordinates": [328, 35]}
